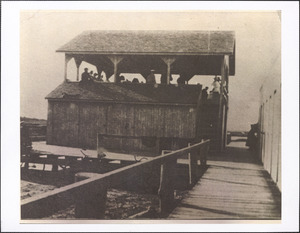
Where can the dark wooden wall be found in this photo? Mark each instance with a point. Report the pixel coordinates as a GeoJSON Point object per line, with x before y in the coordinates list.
{"type": "Point", "coordinates": [77, 124]}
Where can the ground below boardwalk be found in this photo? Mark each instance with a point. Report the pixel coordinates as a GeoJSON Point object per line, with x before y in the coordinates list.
{"type": "Point", "coordinates": [121, 204]}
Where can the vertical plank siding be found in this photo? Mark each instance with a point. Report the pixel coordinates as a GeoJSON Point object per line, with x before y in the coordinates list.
{"type": "Point", "coordinates": [49, 135]}
{"type": "Point", "coordinates": [65, 123]}
{"type": "Point", "coordinates": [180, 122]}
{"type": "Point", "coordinates": [114, 120]}
{"type": "Point", "coordinates": [143, 120]}
{"type": "Point", "coordinates": [78, 124]}
{"type": "Point", "coordinates": [270, 127]}
{"type": "Point", "coordinates": [92, 120]}
{"type": "Point", "coordinates": [159, 121]}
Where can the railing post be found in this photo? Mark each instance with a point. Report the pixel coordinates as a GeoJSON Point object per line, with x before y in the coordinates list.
{"type": "Point", "coordinates": [192, 156]}
{"type": "Point", "coordinates": [90, 202]}
{"type": "Point", "coordinates": [203, 154]}
{"type": "Point", "coordinates": [166, 188]}
{"type": "Point", "coordinates": [150, 178]}
{"type": "Point", "coordinates": [26, 165]}
{"type": "Point", "coordinates": [55, 163]}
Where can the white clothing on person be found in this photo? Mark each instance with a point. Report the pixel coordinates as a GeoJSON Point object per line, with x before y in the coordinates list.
{"type": "Point", "coordinates": [216, 86]}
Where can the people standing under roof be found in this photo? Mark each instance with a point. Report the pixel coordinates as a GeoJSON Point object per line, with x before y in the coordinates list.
{"type": "Point", "coordinates": [252, 137]}
{"type": "Point", "coordinates": [151, 78]}
{"type": "Point", "coordinates": [119, 78]}
{"type": "Point", "coordinates": [95, 77]}
{"type": "Point", "coordinates": [181, 80]}
{"type": "Point", "coordinates": [85, 76]}
{"type": "Point", "coordinates": [163, 78]}
{"type": "Point", "coordinates": [204, 93]}
{"type": "Point", "coordinates": [100, 78]}
{"type": "Point", "coordinates": [216, 85]}
{"type": "Point", "coordinates": [91, 74]}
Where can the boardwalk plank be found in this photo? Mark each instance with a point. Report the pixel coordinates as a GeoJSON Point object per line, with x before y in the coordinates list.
{"type": "Point", "coordinates": [235, 186]}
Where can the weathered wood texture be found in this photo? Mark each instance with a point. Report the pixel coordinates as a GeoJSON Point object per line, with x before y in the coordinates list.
{"type": "Point", "coordinates": [49, 134]}
{"type": "Point", "coordinates": [43, 149]}
{"type": "Point", "coordinates": [84, 192]}
{"type": "Point", "coordinates": [270, 127]}
{"type": "Point", "coordinates": [76, 124]}
{"type": "Point", "coordinates": [91, 202]}
{"type": "Point", "coordinates": [193, 158]}
{"type": "Point", "coordinates": [65, 123]}
{"type": "Point", "coordinates": [167, 187]}
{"type": "Point", "coordinates": [233, 187]}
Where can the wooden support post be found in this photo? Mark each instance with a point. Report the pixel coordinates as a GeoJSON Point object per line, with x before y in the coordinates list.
{"type": "Point", "coordinates": [168, 61]}
{"type": "Point", "coordinates": [90, 202]}
{"type": "Point", "coordinates": [67, 59]}
{"type": "Point", "coordinates": [203, 155]}
{"type": "Point", "coordinates": [220, 113]}
{"type": "Point", "coordinates": [77, 74]}
{"type": "Point", "coordinates": [227, 81]}
{"type": "Point", "coordinates": [193, 171]}
{"type": "Point", "coordinates": [78, 61]}
{"type": "Point", "coordinates": [55, 163]}
{"type": "Point", "coordinates": [150, 178]}
{"type": "Point", "coordinates": [199, 116]}
{"type": "Point", "coordinates": [226, 59]}
{"type": "Point", "coordinates": [26, 165]}
{"type": "Point", "coordinates": [26, 157]}
{"type": "Point", "coordinates": [115, 60]}
{"type": "Point", "coordinates": [166, 188]}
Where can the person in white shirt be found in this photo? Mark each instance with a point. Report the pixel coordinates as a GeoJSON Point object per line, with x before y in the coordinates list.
{"type": "Point", "coordinates": [216, 85]}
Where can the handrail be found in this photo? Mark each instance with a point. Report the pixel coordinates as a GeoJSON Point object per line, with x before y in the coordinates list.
{"type": "Point", "coordinates": [86, 192]}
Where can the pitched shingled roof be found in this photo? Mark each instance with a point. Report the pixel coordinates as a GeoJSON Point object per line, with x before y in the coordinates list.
{"type": "Point", "coordinates": [152, 42]}
{"type": "Point", "coordinates": [127, 93]}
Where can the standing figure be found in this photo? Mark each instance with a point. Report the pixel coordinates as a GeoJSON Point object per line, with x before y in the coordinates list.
{"type": "Point", "coordinates": [216, 85]}
{"type": "Point", "coordinates": [95, 77]}
{"type": "Point", "coordinates": [120, 78]}
{"type": "Point", "coordinates": [204, 93]}
{"type": "Point", "coordinates": [91, 74]}
{"type": "Point", "coordinates": [252, 137]}
{"type": "Point", "coordinates": [85, 76]}
{"type": "Point", "coordinates": [151, 78]}
{"type": "Point", "coordinates": [181, 80]}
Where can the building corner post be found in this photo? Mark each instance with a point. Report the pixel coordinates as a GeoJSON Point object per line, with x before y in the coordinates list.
{"type": "Point", "coordinates": [168, 61]}
{"type": "Point", "coordinates": [115, 60]}
{"type": "Point", "coordinates": [68, 57]}
{"type": "Point", "coordinates": [78, 61]}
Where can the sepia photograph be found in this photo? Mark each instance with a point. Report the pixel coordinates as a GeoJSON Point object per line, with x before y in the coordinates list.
{"type": "Point", "coordinates": [150, 116]}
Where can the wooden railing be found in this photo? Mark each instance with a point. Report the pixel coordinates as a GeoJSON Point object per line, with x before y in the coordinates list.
{"type": "Point", "coordinates": [89, 195]}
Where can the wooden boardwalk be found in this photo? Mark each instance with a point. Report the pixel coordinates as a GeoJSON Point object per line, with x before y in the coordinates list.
{"type": "Point", "coordinates": [76, 152]}
{"type": "Point", "coordinates": [235, 186]}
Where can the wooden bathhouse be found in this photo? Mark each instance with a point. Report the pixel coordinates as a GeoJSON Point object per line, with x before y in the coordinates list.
{"type": "Point", "coordinates": [129, 117]}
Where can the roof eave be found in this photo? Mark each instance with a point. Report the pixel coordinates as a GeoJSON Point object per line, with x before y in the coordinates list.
{"type": "Point", "coordinates": [144, 53]}
{"type": "Point", "coordinates": [118, 102]}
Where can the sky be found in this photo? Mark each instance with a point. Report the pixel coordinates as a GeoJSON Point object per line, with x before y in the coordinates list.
{"type": "Point", "coordinates": [258, 44]}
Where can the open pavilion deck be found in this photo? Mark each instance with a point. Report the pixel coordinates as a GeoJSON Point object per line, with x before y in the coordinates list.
{"type": "Point", "coordinates": [235, 186]}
